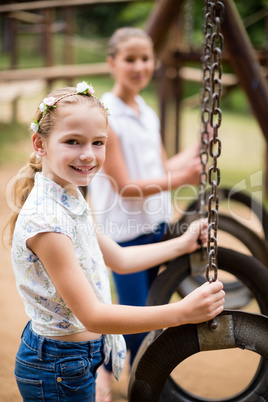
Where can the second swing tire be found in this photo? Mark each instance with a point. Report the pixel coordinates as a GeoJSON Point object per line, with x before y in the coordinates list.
{"type": "Point", "coordinates": [253, 274]}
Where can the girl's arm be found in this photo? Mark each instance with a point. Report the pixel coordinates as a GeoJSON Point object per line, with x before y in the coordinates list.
{"type": "Point", "coordinates": [125, 260]}
{"type": "Point", "coordinates": [188, 159]}
{"type": "Point", "coordinates": [176, 175]}
{"type": "Point", "coordinates": [56, 252]}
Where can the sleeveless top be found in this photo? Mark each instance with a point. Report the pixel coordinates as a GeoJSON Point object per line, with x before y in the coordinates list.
{"type": "Point", "coordinates": [119, 217]}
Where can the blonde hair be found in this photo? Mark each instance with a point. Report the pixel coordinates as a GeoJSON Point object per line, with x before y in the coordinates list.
{"type": "Point", "coordinates": [25, 179]}
{"type": "Point", "coordinates": [123, 34]}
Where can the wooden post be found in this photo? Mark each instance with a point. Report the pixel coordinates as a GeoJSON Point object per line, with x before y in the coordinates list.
{"type": "Point", "coordinates": [13, 43]}
{"type": "Point", "coordinates": [160, 20]}
{"type": "Point", "coordinates": [48, 41]}
{"type": "Point", "coordinates": [68, 16]}
{"type": "Point", "coordinates": [246, 65]}
{"type": "Point", "coordinates": [266, 150]}
{"type": "Point", "coordinates": [13, 61]}
{"type": "Point", "coordinates": [68, 55]}
{"type": "Point", "coordinates": [162, 82]}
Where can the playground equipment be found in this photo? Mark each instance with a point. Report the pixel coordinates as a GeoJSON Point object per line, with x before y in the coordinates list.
{"type": "Point", "coordinates": [162, 351]}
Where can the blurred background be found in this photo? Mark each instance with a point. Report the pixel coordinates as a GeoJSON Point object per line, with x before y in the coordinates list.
{"type": "Point", "coordinates": [46, 44]}
{"type": "Point", "coordinates": [54, 43]}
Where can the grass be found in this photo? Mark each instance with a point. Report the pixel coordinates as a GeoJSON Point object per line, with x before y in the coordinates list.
{"type": "Point", "coordinates": [14, 140]}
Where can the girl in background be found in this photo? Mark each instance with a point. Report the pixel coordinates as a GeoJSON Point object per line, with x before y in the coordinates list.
{"type": "Point", "coordinates": [131, 196]}
{"type": "Point", "coordinates": [60, 261]}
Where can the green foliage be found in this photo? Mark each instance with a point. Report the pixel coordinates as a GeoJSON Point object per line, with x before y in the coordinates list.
{"type": "Point", "coordinates": [12, 135]}
{"type": "Point", "coordinates": [98, 20]}
{"type": "Point", "coordinates": [12, 132]}
{"type": "Point", "coordinates": [236, 102]}
{"type": "Point", "coordinates": [102, 20]}
{"type": "Point", "coordinates": [246, 9]}
{"type": "Point", "coordinates": [136, 14]}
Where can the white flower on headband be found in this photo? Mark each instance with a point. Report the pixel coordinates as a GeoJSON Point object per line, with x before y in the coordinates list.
{"type": "Point", "coordinates": [35, 126]}
{"type": "Point", "coordinates": [46, 104]}
{"type": "Point", "coordinates": [42, 107]}
{"type": "Point", "coordinates": [107, 109]}
{"type": "Point", "coordinates": [84, 88]}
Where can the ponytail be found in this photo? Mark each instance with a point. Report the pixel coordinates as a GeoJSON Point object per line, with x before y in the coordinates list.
{"type": "Point", "coordinates": [22, 188]}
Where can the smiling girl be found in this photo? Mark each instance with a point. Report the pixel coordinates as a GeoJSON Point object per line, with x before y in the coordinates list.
{"type": "Point", "coordinates": [60, 262]}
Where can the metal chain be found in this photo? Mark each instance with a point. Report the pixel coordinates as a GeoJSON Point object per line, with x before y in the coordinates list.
{"type": "Point", "coordinates": [211, 115]}
{"type": "Point", "coordinates": [205, 108]}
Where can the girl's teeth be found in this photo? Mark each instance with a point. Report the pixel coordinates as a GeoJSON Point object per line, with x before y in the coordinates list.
{"type": "Point", "coordinates": [83, 170]}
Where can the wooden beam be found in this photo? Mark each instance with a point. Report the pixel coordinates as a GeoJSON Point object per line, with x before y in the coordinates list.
{"type": "Point", "coordinates": [27, 17]}
{"type": "Point", "coordinates": [38, 5]}
{"type": "Point", "coordinates": [245, 64]}
{"type": "Point", "coordinates": [49, 16]}
{"type": "Point", "coordinates": [196, 75]}
{"type": "Point", "coordinates": [56, 72]}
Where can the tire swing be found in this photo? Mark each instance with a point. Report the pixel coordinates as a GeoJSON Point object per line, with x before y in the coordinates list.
{"type": "Point", "coordinates": [255, 244]}
{"type": "Point", "coordinates": [253, 204]}
{"type": "Point", "coordinates": [162, 350]}
{"type": "Point", "coordinates": [237, 295]}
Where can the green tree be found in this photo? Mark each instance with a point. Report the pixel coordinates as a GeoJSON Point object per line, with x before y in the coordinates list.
{"type": "Point", "coordinates": [101, 20]}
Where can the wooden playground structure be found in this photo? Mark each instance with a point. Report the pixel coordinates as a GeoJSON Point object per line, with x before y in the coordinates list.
{"type": "Point", "coordinates": [250, 66]}
{"type": "Point", "coordinates": [165, 27]}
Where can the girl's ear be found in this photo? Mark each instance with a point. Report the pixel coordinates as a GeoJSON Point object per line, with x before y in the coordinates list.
{"type": "Point", "coordinates": [110, 62]}
{"type": "Point", "coordinates": [38, 144]}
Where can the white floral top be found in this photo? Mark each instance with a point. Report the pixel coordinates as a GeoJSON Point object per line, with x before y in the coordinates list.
{"type": "Point", "coordinates": [50, 208]}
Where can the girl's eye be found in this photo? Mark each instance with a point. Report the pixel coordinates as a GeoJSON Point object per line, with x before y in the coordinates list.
{"type": "Point", "coordinates": [72, 142]}
{"type": "Point", "coordinates": [98, 143]}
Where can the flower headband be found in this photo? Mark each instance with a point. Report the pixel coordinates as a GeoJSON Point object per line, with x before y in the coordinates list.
{"type": "Point", "coordinates": [82, 88]}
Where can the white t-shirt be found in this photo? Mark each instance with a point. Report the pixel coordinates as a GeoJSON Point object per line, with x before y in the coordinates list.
{"type": "Point", "coordinates": [120, 218]}
{"type": "Point", "coordinates": [49, 208]}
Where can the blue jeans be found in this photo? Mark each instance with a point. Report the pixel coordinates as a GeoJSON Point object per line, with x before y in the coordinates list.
{"type": "Point", "coordinates": [48, 370]}
{"type": "Point", "coordinates": [133, 289]}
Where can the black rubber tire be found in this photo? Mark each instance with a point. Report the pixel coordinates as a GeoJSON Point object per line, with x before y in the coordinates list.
{"type": "Point", "coordinates": [257, 246]}
{"type": "Point", "coordinates": [237, 296]}
{"type": "Point", "coordinates": [246, 268]}
{"type": "Point", "coordinates": [177, 344]}
{"type": "Point", "coordinates": [250, 202]}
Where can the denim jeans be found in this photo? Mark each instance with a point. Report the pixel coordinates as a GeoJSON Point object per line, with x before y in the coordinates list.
{"type": "Point", "coordinates": [50, 370]}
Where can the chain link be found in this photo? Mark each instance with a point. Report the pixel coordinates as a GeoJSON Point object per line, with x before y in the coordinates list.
{"type": "Point", "coordinates": [205, 109]}
{"type": "Point", "coordinates": [211, 117]}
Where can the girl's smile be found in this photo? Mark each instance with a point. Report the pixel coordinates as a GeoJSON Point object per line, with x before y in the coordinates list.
{"type": "Point", "coordinates": [83, 169]}
{"type": "Point", "coordinates": [75, 150]}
